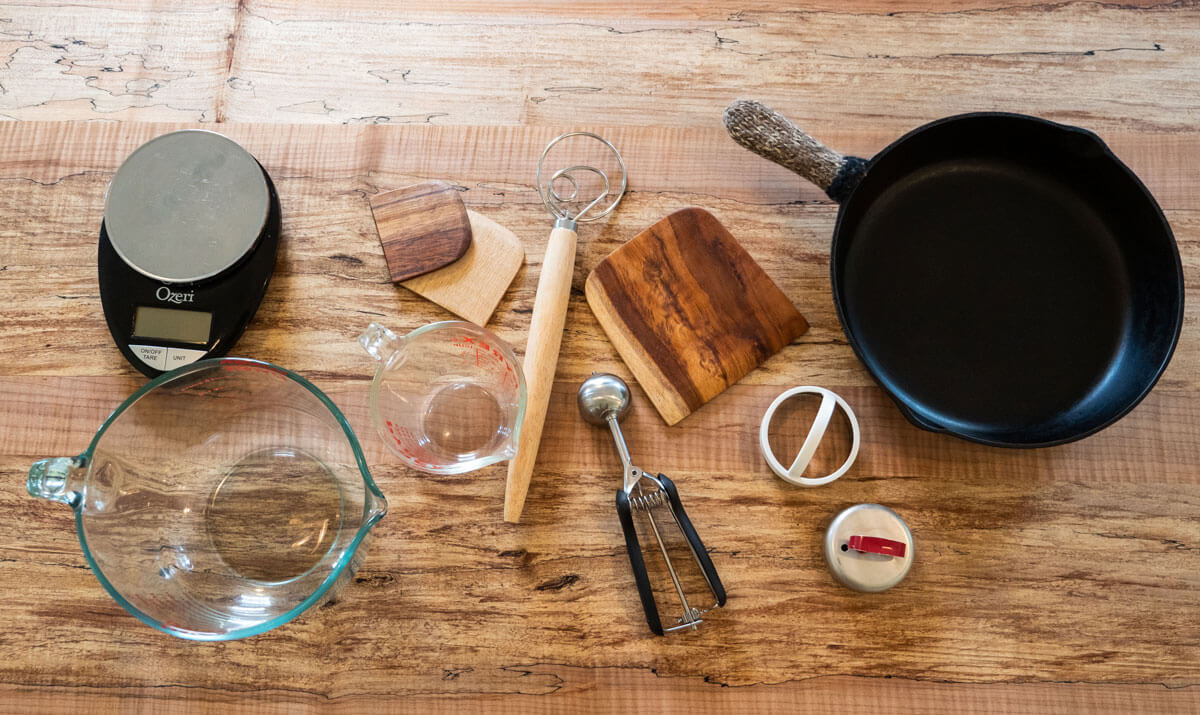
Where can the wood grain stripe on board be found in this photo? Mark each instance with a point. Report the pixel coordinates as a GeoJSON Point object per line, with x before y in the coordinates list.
{"type": "Point", "coordinates": [641, 347]}
{"type": "Point", "coordinates": [1155, 444]}
{"type": "Point", "coordinates": [674, 400]}
{"type": "Point", "coordinates": [621, 690]}
{"type": "Point", "coordinates": [701, 163]}
{"type": "Point", "coordinates": [1107, 66]}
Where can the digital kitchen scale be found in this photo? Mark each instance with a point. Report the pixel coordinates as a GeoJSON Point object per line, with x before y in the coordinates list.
{"type": "Point", "coordinates": [187, 248]}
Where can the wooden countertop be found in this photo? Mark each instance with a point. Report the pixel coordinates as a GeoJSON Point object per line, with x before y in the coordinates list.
{"type": "Point", "coordinates": [1058, 579]}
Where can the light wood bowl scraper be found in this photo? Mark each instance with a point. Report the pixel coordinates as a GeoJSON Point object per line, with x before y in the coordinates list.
{"type": "Point", "coordinates": [435, 247]}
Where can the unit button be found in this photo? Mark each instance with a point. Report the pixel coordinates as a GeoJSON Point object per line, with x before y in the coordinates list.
{"type": "Point", "coordinates": [152, 355]}
{"type": "Point", "coordinates": [178, 357]}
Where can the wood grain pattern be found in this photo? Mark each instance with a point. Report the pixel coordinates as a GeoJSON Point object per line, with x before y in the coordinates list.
{"type": "Point", "coordinates": [337, 279]}
{"type": "Point", "coordinates": [825, 64]}
{"type": "Point", "coordinates": [472, 286]}
{"type": "Point", "coordinates": [1032, 567]}
{"type": "Point", "coordinates": [421, 228]}
{"type": "Point", "coordinates": [617, 691]}
{"type": "Point", "coordinates": [689, 310]}
{"type": "Point", "coordinates": [1061, 580]}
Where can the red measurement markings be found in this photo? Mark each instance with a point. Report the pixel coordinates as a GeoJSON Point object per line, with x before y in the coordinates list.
{"type": "Point", "coordinates": [407, 445]}
{"type": "Point", "coordinates": [489, 358]}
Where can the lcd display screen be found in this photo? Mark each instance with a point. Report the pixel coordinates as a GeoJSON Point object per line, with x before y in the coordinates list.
{"type": "Point", "coordinates": [182, 326]}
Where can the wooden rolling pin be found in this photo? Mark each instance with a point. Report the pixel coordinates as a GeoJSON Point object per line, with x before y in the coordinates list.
{"type": "Point", "coordinates": [541, 359]}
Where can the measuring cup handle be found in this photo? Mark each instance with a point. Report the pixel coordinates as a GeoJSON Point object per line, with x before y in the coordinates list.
{"type": "Point", "coordinates": [640, 575]}
{"type": "Point", "coordinates": [379, 342]}
{"type": "Point", "coordinates": [693, 539]}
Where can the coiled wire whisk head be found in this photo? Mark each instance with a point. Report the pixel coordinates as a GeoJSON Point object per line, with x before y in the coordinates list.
{"type": "Point", "coordinates": [557, 203]}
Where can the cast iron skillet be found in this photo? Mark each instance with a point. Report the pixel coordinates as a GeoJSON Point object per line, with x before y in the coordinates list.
{"type": "Point", "coordinates": [1005, 279]}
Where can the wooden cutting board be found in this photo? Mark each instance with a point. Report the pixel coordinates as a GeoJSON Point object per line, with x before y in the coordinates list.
{"type": "Point", "coordinates": [689, 310]}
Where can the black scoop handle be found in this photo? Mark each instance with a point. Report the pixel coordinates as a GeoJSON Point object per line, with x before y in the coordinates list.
{"type": "Point", "coordinates": [693, 539]}
{"type": "Point", "coordinates": [634, 549]}
{"type": "Point", "coordinates": [638, 563]}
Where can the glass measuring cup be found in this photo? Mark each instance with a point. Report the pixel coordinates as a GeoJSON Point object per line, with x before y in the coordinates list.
{"type": "Point", "coordinates": [448, 397]}
{"type": "Point", "coordinates": [220, 500]}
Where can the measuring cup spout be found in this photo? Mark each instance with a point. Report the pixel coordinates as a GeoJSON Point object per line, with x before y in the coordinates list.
{"type": "Point", "coordinates": [57, 479]}
{"type": "Point", "coordinates": [380, 343]}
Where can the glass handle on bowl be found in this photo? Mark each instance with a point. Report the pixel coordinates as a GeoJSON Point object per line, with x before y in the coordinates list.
{"type": "Point", "coordinates": [379, 342]}
{"type": "Point", "coordinates": [57, 479]}
{"type": "Point", "coordinates": [377, 507]}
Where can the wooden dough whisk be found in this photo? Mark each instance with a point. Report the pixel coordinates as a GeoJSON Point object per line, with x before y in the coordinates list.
{"type": "Point", "coordinates": [550, 304]}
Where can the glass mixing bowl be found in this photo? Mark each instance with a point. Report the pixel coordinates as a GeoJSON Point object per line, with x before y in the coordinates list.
{"type": "Point", "coordinates": [219, 501]}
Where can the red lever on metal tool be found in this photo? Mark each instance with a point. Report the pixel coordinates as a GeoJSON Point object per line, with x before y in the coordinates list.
{"type": "Point", "coordinates": [877, 545]}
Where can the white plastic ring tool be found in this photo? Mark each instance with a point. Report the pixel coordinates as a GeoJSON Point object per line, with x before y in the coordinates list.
{"type": "Point", "coordinates": [795, 473]}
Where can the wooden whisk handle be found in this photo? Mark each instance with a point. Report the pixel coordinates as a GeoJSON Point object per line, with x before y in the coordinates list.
{"type": "Point", "coordinates": [541, 359]}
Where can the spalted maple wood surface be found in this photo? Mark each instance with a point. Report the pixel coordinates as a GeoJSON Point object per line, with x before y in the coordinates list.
{"type": "Point", "coordinates": [1059, 579]}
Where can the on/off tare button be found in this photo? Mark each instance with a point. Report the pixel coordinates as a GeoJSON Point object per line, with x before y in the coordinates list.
{"type": "Point", "coordinates": [152, 355]}
{"type": "Point", "coordinates": [178, 357]}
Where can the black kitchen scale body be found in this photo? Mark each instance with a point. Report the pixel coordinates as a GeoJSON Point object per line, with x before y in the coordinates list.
{"type": "Point", "coordinates": [187, 248]}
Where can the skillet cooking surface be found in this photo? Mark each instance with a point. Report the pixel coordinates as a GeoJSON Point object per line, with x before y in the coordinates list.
{"type": "Point", "coordinates": [1019, 290]}
{"type": "Point", "coordinates": [999, 291]}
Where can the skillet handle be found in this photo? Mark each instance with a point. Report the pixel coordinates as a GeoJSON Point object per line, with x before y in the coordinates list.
{"type": "Point", "coordinates": [769, 134]}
